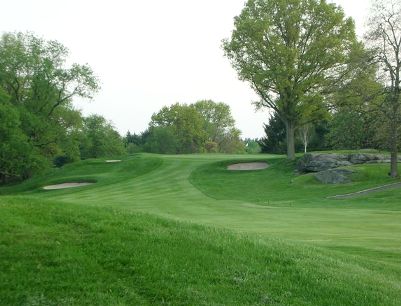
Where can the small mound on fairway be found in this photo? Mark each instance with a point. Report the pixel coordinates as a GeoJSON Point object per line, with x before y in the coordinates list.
{"type": "Point", "coordinates": [114, 161]}
{"type": "Point", "coordinates": [248, 166]}
{"type": "Point", "coordinates": [66, 185]}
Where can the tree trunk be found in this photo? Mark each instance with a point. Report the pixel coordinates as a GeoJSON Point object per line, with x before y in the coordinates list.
{"type": "Point", "coordinates": [394, 150]}
{"type": "Point", "coordinates": [290, 131]}
{"type": "Point", "coordinates": [305, 138]}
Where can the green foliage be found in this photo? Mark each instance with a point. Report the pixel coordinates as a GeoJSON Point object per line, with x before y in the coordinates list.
{"type": "Point", "coordinates": [162, 140]}
{"type": "Point", "coordinates": [133, 143]}
{"type": "Point", "coordinates": [203, 126]}
{"type": "Point", "coordinates": [274, 141]}
{"type": "Point", "coordinates": [184, 124]}
{"type": "Point", "coordinates": [252, 146]}
{"type": "Point", "coordinates": [384, 39]}
{"type": "Point", "coordinates": [348, 130]}
{"type": "Point", "coordinates": [99, 139]}
{"type": "Point", "coordinates": [219, 126]}
{"type": "Point", "coordinates": [358, 119]}
{"type": "Point", "coordinates": [18, 158]}
{"type": "Point", "coordinates": [291, 52]}
{"type": "Point", "coordinates": [231, 142]}
{"type": "Point", "coordinates": [40, 86]}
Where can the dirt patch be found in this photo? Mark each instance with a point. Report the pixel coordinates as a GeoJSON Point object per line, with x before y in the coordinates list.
{"type": "Point", "coordinates": [367, 191]}
{"type": "Point", "coordinates": [114, 161]}
{"type": "Point", "coordinates": [66, 185]}
{"type": "Point", "coordinates": [248, 166]}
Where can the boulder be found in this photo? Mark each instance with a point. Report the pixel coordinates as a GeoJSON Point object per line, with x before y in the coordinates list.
{"type": "Point", "coordinates": [321, 162]}
{"type": "Point", "coordinates": [316, 162]}
{"type": "Point", "coordinates": [359, 158]}
{"type": "Point", "coordinates": [334, 176]}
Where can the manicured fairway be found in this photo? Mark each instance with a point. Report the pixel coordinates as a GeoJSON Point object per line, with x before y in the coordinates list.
{"type": "Point", "coordinates": [321, 251]}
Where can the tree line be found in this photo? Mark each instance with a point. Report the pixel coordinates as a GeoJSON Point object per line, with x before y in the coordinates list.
{"type": "Point", "coordinates": [40, 128]}
{"type": "Point", "coordinates": [202, 127]}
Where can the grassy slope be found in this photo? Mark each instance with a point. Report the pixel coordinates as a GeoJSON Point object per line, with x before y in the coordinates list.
{"type": "Point", "coordinates": [270, 203]}
{"type": "Point", "coordinates": [57, 254]}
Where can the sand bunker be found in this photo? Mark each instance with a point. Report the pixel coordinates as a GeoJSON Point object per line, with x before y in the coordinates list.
{"type": "Point", "coordinates": [114, 161]}
{"type": "Point", "coordinates": [66, 185]}
{"type": "Point", "coordinates": [248, 166]}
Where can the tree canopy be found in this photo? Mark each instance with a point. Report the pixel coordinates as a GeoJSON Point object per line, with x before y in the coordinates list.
{"type": "Point", "coordinates": [384, 38]}
{"type": "Point", "coordinates": [38, 120]}
{"type": "Point", "coordinates": [291, 52]}
{"type": "Point", "coordinates": [204, 126]}
{"type": "Point", "coordinates": [99, 138]}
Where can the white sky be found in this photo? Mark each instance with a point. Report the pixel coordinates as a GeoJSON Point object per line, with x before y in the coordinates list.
{"type": "Point", "coordinates": [148, 54]}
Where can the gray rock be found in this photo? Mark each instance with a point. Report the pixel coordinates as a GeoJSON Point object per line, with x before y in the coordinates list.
{"type": "Point", "coordinates": [334, 176]}
{"type": "Point", "coordinates": [359, 158]}
{"type": "Point", "coordinates": [317, 162]}
{"type": "Point", "coordinates": [321, 162]}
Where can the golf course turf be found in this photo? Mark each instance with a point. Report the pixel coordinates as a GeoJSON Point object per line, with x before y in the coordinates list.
{"type": "Point", "coordinates": [183, 230]}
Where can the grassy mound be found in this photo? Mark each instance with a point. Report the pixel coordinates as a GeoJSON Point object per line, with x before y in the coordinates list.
{"type": "Point", "coordinates": [91, 170]}
{"type": "Point", "coordinates": [279, 185]}
{"type": "Point", "coordinates": [57, 254]}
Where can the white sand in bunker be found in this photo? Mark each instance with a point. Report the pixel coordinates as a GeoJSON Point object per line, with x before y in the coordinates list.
{"type": "Point", "coordinates": [66, 185]}
{"type": "Point", "coordinates": [248, 166]}
{"type": "Point", "coordinates": [114, 161]}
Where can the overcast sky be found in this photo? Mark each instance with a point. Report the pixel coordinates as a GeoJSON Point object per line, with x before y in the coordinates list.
{"type": "Point", "coordinates": [148, 54]}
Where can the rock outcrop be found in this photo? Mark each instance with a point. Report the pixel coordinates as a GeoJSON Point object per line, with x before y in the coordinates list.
{"type": "Point", "coordinates": [324, 165]}
{"type": "Point", "coordinates": [334, 176]}
{"type": "Point", "coordinates": [316, 162]}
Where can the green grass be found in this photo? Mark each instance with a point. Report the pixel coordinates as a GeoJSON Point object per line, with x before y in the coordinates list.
{"type": "Point", "coordinates": [182, 230]}
{"type": "Point", "coordinates": [279, 185]}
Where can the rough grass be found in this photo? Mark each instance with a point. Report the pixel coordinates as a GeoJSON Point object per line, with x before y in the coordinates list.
{"type": "Point", "coordinates": [266, 237]}
{"type": "Point", "coordinates": [57, 254]}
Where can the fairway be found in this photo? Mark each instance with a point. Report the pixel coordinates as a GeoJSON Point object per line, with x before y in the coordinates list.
{"type": "Point", "coordinates": [273, 208]}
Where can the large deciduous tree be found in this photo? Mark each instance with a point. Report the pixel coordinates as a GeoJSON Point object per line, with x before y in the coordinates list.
{"type": "Point", "coordinates": [384, 36]}
{"type": "Point", "coordinates": [184, 123]}
{"type": "Point", "coordinates": [40, 85]}
{"type": "Point", "coordinates": [219, 125]}
{"type": "Point", "coordinates": [291, 52]}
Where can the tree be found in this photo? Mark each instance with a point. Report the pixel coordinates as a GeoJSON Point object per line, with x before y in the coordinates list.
{"type": "Point", "coordinates": [305, 133]}
{"type": "Point", "coordinates": [220, 128]}
{"type": "Point", "coordinates": [347, 130]}
{"type": "Point", "coordinates": [384, 37]}
{"type": "Point", "coordinates": [252, 146]}
{"type": "Point", "coordinates": [99, 139]}
{"type": "Point", "coordinates": [274, 141]}
{"type": "Point", "coordinates": [18, 159]}
{"type": "Point", "coordinates": [40, 86]}
{"type": "Point", "coordinates": [185, 123]}
{"type": "Point", "coordinates": [134, 142]}
{"type": "Point", "coordinates": [162, 140]}
{"type": "Point", "coordinates": [291, 52]}
{"type": "Point", "coordinates": [356, 115]}
{"type": "Point", "coordinates": [217, 118]}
